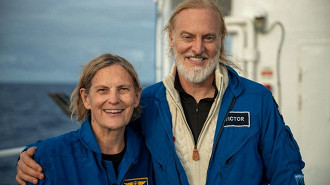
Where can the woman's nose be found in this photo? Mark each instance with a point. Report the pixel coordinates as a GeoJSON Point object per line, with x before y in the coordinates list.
{"type": "Point", "coordinates": [113, 97]}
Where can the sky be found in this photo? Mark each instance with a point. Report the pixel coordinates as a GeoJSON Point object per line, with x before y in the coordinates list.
{"type": "Point", "coordinates": [49, 41]}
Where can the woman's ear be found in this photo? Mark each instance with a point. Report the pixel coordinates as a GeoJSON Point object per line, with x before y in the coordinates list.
{"type": "Point", "coordinates": [85, 99]}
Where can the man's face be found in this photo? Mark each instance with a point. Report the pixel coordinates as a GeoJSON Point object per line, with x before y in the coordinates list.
{"type": "Point", "coordinates": [195, 43]}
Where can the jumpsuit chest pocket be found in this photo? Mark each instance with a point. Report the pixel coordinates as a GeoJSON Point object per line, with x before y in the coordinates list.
{"type": "Point", "coordinates": [241, 150]}
{"type": "Point", "coordinates": [237, 141]}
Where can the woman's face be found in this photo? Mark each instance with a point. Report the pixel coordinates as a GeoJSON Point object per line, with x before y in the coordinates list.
{"type": "Point", "coordinates": [112, 98]}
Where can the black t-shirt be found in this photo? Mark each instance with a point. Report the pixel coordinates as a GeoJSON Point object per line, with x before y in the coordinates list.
{"type": "Point", "coordinates": [115, 159]}
{"type": "Point", "coordinates": [195, 113]}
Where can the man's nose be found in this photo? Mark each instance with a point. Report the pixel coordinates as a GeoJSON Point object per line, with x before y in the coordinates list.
{"type": "Point", "coordinates": [198, 46]}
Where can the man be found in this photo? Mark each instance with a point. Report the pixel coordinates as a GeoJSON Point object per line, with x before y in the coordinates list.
{"type": "Point", "coordinates": [204, 124]}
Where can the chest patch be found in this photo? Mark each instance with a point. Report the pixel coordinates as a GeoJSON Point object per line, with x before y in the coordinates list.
{"type": "Point", "coordinates": [238, 119]}
{"type": "Point", "coordinates": [136, 181]}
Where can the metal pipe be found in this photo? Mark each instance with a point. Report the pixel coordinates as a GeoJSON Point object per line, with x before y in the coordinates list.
{"type": "Point", "coordinates": [239, 33]}
{"type": "Point", "coordinates": [250, 52]}
{"type": "Point", "coordinates": [11, 151]}
{"type": "Point", "coordinates": [158, 67]}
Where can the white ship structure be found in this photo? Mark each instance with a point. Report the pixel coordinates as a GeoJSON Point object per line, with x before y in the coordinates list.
{"type": "Point", "coordinates": [284, 45]}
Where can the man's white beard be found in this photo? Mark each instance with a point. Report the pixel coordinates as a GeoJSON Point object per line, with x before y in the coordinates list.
{"type": "Point", "coordinates": [195, 74]}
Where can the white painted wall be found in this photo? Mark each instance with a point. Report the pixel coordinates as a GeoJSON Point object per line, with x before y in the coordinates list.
{"type": "Point", "coordinates": [304, 73]}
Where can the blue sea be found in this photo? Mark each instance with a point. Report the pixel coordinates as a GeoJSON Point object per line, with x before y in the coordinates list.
{"type": "Point", "coordinates": [28, 114]}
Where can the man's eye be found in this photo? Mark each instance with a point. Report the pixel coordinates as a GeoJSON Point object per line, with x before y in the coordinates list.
{"type": "Point", "coordinates": [186, 37]}
{"type": "Point", "coordinates": [123, 90]}
{"type": "Point", "coordinates": [209, 38]}
{"type": "Point", "coordinates": [101, 90]}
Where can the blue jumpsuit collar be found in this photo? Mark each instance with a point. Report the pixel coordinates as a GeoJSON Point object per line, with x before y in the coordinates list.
{"type": "Point", "coordinates": [87, 137]}
{"type": "Point", "coordinates": [235, 85]}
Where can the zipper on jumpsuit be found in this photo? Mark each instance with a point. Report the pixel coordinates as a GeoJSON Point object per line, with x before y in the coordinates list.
{"type": "Point", "coordinates": [221, 129]}
{"type": "Point", "coordinates": [122, 181]}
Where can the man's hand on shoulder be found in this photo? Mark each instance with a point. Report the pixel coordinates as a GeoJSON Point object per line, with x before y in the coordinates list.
{"type": "Point", "coordinates": [27, 168]}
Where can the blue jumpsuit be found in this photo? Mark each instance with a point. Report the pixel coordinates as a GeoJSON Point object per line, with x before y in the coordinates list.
{"type": "Point", "coordinates": [75, 158]}
{"type": "Point", "coordinates": [252, 145]}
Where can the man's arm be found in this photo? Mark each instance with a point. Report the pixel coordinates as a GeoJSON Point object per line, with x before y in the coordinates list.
{"type": "Point", "coordinates": [27, 168]}
{"type": "Point", "coordinates": [279, 149]}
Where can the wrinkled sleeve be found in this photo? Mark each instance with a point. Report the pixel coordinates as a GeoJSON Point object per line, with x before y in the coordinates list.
{"type": "Point", "coordinates": [41, 158]}
{"type": "Point", "coordinates": [279, 150]}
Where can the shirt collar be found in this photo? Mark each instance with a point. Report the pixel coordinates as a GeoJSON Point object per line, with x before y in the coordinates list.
{"type": "Point", "coordinates": [178, 86]}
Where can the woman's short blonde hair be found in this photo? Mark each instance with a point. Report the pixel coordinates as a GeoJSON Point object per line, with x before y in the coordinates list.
{"type": "Point", "coordinates": [85, 81]}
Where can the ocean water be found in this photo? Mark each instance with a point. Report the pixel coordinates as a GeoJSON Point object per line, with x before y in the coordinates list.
{"type": "Point", "coordinates": [28, 114]}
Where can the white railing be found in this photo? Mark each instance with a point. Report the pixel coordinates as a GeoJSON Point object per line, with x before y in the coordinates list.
{"type": "Point", "coordinates": [11, 151]}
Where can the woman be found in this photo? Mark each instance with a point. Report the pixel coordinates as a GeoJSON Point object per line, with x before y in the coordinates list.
{"type": "Point", "coordinates": [105, 150]}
